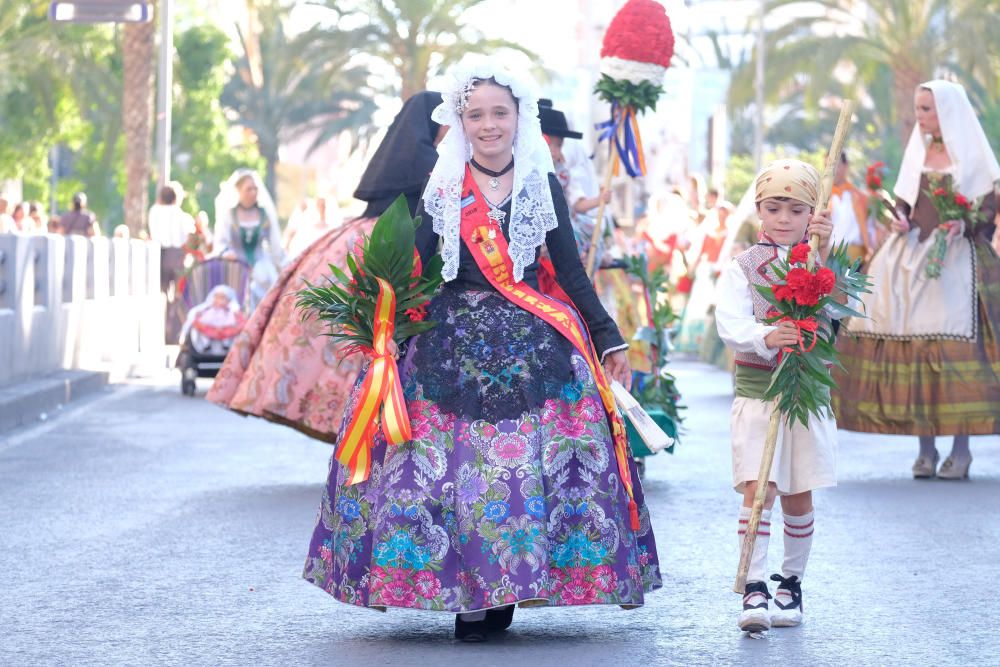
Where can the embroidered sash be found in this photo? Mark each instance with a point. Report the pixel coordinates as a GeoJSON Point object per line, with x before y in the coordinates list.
{"type": "Point", "coordinates": [494, 261]}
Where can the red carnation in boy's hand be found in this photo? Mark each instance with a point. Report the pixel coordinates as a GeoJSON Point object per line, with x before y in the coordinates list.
{"type": "Point", "coordinates": [961, 200]}
{"type": "Point", "coordinates": [940, 192]}
{"type": "Point", "coordinates": [808, 295]}
{"type": "Point", "coordinates": [798, 278]}
{"type": "Point", "coordinates": [782, 293]}
{"type": "Point", "coordinates": [800, 254]}
{"type": "Point", "coordinates": [825, 280]}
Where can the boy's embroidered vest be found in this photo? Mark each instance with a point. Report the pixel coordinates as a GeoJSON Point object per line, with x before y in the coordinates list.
{"type": "Point", "coordinates": [756, 264]}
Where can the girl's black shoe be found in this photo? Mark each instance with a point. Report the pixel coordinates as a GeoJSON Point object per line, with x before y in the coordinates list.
{"type": "Point", "coordinates": [499, 619]}
{"type": "Point", "coordinates": [470, 631]}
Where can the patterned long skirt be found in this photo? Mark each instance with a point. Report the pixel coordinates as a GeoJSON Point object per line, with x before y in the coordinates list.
{"type": "Point", "coordinates": [927, 387]}
{"type": "Point", "coordinates": [508, 492]}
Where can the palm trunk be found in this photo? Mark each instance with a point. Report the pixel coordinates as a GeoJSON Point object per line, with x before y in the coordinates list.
{"type": "Point", "coordinates": [137, 119]}
{"type": "Point", "coordinates": [905, 79]}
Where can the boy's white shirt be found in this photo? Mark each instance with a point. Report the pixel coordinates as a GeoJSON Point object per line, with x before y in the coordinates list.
{"type": "Point", "coordinates": [734, 316]}
{"type": "Point", "coordinates": [738, 327]}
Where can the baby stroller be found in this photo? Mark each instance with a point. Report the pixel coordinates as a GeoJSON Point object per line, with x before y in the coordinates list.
{"type": "Point", "coordinates": [214, 295]}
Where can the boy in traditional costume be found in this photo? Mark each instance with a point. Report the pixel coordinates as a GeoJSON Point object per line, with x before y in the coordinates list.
{"type": "Point", "coordinates": [805, 458]}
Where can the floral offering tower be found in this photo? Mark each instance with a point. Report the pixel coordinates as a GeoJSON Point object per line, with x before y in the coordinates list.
{"type": "Point", "coordinates": [635, 55]}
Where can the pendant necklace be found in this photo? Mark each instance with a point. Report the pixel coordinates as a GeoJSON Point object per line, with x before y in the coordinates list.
{"type": "Point", "coordinates": [496, 216]}
{"type": "Point", "coordinates": [494, 181]}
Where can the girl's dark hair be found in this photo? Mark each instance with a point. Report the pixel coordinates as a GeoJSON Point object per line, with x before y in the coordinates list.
{"type": "Point", "coordinates": [493, 82]}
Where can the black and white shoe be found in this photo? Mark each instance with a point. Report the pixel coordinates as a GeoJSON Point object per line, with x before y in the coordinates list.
{"type": "Point", "coordinates": [787, 602]}
{"type": "Point", "coordinates": [755, 616]}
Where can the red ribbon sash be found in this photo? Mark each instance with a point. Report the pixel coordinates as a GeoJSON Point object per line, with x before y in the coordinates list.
{"type": "Point", "coordinates": [493, 258]}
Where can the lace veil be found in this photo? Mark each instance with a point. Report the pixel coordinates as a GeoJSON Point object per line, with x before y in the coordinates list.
{"type": "Point", "coordinates": [532, 213]}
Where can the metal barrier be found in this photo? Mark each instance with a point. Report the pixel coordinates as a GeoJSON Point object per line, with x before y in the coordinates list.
{"type": "Point", "coordinates": [77, 302]}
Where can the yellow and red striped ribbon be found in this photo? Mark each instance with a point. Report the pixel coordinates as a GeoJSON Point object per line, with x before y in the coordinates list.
{"type": "Point", "coordinates": [380, 391]}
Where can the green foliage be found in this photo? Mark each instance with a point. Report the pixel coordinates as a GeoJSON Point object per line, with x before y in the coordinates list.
{"type": "Point", "coordinates": [640, 96]}
{"type": "Point", "coordinates": [660, 390]}
{"type": "Point", "coordinates": [347, 301]}
{"type": "Point", "coordinates": [202, 155]}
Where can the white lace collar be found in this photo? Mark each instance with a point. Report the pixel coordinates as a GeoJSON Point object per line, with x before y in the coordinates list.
{"type": "Point", "coordinates": [532, 214]}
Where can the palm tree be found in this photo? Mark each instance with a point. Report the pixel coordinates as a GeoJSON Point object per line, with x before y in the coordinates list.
{"type": "Point", "coordinates": [910, 39]}
{"type": "Point", "coordinates": [138, 40]}
{"type": "Point", "coordinates": [287, 87]}
{"type": "Point", "coordinates": [416, 38]}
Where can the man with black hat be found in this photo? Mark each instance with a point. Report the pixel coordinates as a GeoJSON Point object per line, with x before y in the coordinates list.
{"type": "Point", "coordinates": [556, 130]}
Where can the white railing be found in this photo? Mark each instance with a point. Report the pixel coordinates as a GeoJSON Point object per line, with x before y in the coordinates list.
{"type": "Point", "coordinates": [75, 302]}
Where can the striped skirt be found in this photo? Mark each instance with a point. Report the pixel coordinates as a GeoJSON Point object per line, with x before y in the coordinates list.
{"type": "Point", "coordinates": [927, 387]}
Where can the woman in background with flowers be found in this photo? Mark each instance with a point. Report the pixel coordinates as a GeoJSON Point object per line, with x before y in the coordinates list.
{"type": "Point", "coordinates": [926, 361]}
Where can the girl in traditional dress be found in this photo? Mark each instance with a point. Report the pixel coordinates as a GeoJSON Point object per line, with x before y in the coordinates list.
{"type": "Point", "coordinates": [517, 486]}
{"type": "Point", "coordinates": [926, 361]}
{"type": "Point", "coordinates": [246, 228]}
{"type": "Point", "coordinates": [282, 368]}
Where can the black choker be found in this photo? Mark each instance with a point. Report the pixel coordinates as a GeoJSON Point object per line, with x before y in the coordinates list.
{"type": "Point", "coordinates": [494, 182]}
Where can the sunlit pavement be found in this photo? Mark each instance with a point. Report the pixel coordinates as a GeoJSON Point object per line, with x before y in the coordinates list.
{"type": "Point", "coordinates": [143, 527]}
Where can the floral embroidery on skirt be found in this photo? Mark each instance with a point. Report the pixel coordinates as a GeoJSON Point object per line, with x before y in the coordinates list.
{"type": "Point", "coordinates": [509, 490]}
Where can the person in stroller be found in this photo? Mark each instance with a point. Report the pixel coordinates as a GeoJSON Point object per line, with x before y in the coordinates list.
{"type": "Point", "coordinates": [208, 333]}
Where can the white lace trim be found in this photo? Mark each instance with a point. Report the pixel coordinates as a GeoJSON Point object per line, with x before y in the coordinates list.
{"type": "Point", "coordinates": [532, 214]}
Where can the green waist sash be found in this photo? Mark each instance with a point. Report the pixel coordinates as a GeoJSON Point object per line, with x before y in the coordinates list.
{"type": "Point", "coordinates": [752, 382]}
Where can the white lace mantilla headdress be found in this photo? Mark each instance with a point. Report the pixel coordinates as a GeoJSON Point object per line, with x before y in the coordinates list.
{"type": "Point", "coordinates": [531, 211]}
{"type": "Point", "coordinates": [974, 164]}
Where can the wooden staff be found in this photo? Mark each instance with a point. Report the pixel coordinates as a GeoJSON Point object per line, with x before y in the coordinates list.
{"type": "Point", "coordinates": [767, 458]}
{"type": "Point", "coordinates": [595, 237]}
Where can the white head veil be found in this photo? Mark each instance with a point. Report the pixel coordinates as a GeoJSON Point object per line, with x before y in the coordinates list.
{"type": "Point", "coordinates": [229, 197]}
{"type": "Point", "coordinates": [531, 211]}
{"type": "Point", "coordinates": [975, 165]}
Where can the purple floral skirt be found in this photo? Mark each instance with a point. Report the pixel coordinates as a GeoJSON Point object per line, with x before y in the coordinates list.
{"type": "Point", "coordinates": [509, 490]}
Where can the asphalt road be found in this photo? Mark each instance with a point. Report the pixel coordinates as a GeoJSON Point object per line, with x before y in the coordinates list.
{"type": "Point", "coordinates": [143, 527]}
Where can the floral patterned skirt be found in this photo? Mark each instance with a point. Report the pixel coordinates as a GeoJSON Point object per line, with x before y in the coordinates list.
{"type": "Point", "coordinates": [508, 492]}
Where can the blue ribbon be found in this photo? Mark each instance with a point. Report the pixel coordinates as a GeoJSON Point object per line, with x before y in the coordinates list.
{"type": "Point", "coordinates": [624, 142]}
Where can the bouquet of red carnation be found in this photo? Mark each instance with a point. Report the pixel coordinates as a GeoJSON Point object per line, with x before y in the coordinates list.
{"type": "Point", "coordinates": [383, 299]}
{"type": "Point", "coordinates": [805, 297]}
{"type": "Point", "coordinates": [880, 203]}
{"type": "Point", "coordinates": [950, 205]}
{"type": "Point", "coordinates": [383, 264]}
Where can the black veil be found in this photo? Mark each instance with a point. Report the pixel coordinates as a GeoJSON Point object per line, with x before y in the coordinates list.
{"type": "Point", "coordinates": [404, 159]}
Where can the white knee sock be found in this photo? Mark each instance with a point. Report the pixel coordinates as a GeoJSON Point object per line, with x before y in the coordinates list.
{"type": "Point", "coordinates": [798, 542]}
{"type": "Point", "coordinates": [758, 562]}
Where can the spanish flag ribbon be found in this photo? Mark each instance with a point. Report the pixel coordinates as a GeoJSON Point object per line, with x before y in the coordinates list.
{"type": "Point", "coordinates": [381, 391]}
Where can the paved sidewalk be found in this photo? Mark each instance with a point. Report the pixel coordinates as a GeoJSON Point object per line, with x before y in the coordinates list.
{"type": "Point", "coordinates": [150, 528]}
{"type": "Point", "coordinates": [36, 399]}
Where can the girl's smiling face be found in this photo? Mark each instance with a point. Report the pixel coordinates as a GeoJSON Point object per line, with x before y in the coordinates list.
{"type": "Point", "coordinates": [490, 122]}
{"type": "Point", "coordinates": [783, 219]}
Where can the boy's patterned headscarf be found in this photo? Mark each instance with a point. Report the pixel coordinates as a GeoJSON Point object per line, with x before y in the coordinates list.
{"type": "Point", "coordinates": [788, 178]}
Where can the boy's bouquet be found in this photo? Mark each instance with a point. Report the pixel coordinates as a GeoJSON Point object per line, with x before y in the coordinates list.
{"type": "Point", "coordinates": [382, 299]}
{"type": "Point", "coordinates": [804, 296]}
{"type": "Point", "coordinates": [950, 205]}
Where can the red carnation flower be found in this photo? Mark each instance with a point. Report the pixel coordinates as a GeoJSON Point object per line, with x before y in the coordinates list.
{"type": "Point", "coordinates": [782, 293]}
{"type": "Point", "coordinates": [940, 192]}
{"type": "Point", "coordinates": [640, 32]}
{"type": "Point", "coordinates": [800, 254]}
{"type": "Point", "coordinates": [961, 200]}
{"type": "Point", "coordinates": [808, 295]}
{"type": "Point", "coordinates": [799, 278]}
{"type": "Point", "coordinates": [825, 280]}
